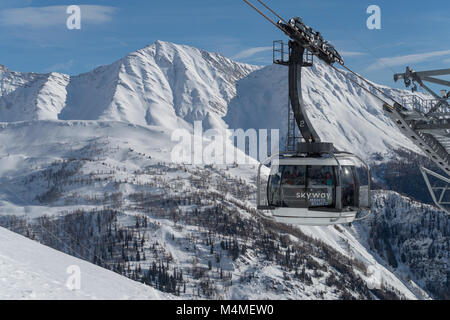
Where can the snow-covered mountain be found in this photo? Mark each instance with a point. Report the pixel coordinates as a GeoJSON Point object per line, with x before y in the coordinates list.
{"type": "Point", "coordinates": [89, 158]}
{"type": "Point", "coordinates": [31, 96]}
{"type": "Point", "coordinates": [171, 85]}
{"type": "Point", "coordinates": [162, 84]}
{"type": "Point", "coordinates": [29, 270]}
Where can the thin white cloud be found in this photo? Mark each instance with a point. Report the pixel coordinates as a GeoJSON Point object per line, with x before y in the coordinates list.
{"type": "Point", "coordinates": [63, 66]}
{"type": "Point", "coordinates": [402, 60]}
{"type": "Point", "coordinates": [251, 52]}
{"type": "Point", "coordinates": [42, 17]}
{"type": "Point", "coordinates": [352, 54]}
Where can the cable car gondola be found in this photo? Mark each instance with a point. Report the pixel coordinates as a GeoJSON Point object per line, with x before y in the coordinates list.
{"type": "Point", "coordinates": [314, 184]}
{"type": "Point", "coordinates": [314, 189]}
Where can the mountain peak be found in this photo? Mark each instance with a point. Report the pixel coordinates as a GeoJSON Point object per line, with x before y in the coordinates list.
{"type": "Point", "coordinates": [163, 84]}
{"type": "Point", "coordinates": [161, 45]}
{"type": "Point", "coordinates": [161, 48]}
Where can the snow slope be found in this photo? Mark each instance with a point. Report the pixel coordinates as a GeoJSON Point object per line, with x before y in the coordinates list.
{"type": "Point", "coordinates": [29, 270]}
{"type": "Point", "coordinates": [31, 96]}
{"type": "Point", "coordinates": [28, 149]}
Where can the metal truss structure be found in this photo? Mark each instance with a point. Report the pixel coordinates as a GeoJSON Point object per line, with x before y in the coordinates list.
{"type": "Point", "coordinates": [427, 124]}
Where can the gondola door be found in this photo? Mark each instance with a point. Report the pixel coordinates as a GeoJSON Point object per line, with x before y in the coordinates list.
{"type": "Point", "coordinates": [349, 187]}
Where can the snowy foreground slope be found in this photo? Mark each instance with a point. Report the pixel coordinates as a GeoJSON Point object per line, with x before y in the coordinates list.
{"type": "Point", "coordinates": [88, 158]}
{"type": "Point", "coordinates": [29, 270]}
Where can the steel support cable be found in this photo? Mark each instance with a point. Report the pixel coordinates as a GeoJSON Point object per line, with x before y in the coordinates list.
{"type": "Point", "coordinates": [361, 86]}
{"type": "Point", "coordinates": [348, 69]}
{"type": "Point", "coordinates": [368, 83]}
{"type": "Point", "coordinates": [360, 43]}
{"type": "Point", "coordinates": [261, 13]}
{"type": "Point", "coordinates": [268, 8]}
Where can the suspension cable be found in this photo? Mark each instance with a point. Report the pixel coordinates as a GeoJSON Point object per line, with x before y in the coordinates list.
{"type": "Point", "coordinates": [368, 82]}
{"type": "Point", "coordinates": [343, 65]}
{"type": "Point", "coordinates": [363, 87]}
{"type": "Point", "coordinates": [270, 9]}
{"type": "Point", "coordinates": [358, 84]}
{"type": "Point", "coordinates": [261, 13]}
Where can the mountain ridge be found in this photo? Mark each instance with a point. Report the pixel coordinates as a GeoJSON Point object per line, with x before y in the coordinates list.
{"type": "Point", "coordinates": [161, 84]}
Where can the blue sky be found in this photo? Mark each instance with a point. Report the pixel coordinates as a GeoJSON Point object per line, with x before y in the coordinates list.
{"type": "Point", "coordinates": [34, 36]}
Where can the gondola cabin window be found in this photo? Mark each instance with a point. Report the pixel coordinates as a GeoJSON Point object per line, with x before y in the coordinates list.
{"type": "Point", "coordinates": [273, 190]}
{"type": "Point", "coordinates": [302, 186]}
{"type": "Point", "coordinates": [348, 186]}
{"type": "Point", "coordinates": [321, 186]}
